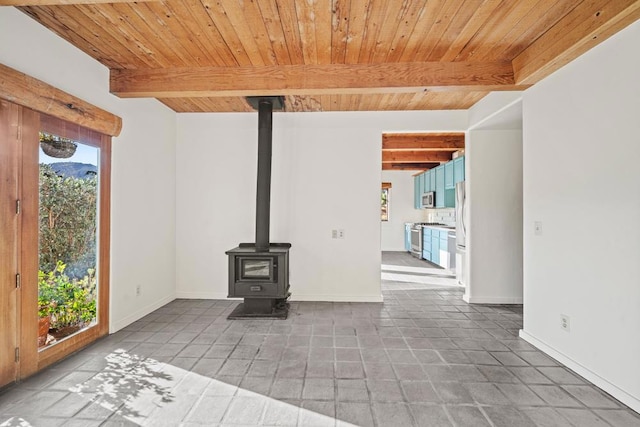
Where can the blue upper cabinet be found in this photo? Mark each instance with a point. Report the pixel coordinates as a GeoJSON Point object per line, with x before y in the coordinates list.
{"type": "Point", "coordinates": [442, 180]}
{"type": "Point", "coordinates": [458, 169]}
{"type": "Point", "coordinates": [440, 199]}
{"type": "Point", "coordinates": [417, 195]}
{"type": "Point", "coordinates": [426, 182]}
{"type": "Point", "coordinates": [439, 172]}
{"type": "Point", "coordinates": [448, 176]}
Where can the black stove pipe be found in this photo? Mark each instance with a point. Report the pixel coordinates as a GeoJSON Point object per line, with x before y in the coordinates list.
{"type": "Point", "coordinates": [263, 193]}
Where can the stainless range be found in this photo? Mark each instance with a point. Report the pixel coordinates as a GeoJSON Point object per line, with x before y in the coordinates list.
{"type": "Point", "coordinates": [416, 240]}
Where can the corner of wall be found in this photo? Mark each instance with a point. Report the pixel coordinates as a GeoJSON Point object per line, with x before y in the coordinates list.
{"type": "Point", "coordinates": [495, 103]}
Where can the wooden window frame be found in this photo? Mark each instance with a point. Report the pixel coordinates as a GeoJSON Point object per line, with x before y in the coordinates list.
{"type": "Point", "coordinates": [35, 359]}
{"type": "Point", "coordinates": [44, 107]}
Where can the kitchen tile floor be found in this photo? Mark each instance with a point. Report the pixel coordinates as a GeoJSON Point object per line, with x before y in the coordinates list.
{"type": "Point", "coordinates": [422, 358]}
{"type": "Point", "coordinates": [403, 271]}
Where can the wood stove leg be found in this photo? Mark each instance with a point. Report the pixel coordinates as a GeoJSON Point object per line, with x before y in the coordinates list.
{"type": "Point", "coordinates": [258, 305]}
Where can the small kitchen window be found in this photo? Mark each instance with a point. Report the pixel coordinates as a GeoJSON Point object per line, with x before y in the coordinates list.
{"type": "Point", "coordinates": [384, 201]}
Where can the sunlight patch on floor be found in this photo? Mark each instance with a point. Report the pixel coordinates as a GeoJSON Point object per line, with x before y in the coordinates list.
{"type": "Point", "coordinates": [417, 270]}
{"type": "Point", "coordinates": [419, 279]}
{"type": "Point", "coordinates": [16, 422]}
{"type": "Point", "coordinates": [151, 393]}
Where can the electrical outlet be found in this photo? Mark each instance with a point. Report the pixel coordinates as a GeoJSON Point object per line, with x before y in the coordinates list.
{"type": "Point", "coordinates": [341, 234]}
{"type": "Point", "coordinates": [138, 290]}
{"type": "Point", "coordinates": [565, 322]}
{"type": "Point", "coordinates": [537, 228]}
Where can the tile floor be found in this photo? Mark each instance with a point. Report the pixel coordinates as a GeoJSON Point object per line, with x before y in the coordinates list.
{"type": "Point", "coordinates": [406, 272]}
{"type": "Point", "coordinates": [421, 358]}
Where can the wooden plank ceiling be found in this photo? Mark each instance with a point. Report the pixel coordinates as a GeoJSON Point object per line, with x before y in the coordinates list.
{"type": "Point", "coordinates": [419, 151]}
{"type": "Point", "coordinates": [329, 55]}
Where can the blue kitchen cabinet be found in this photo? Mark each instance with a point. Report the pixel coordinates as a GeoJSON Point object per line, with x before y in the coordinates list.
{"type": "Point", "coordinates": [441, 180]}
{"type": "Point", "coordinates": [407, 237]}
{"type": "Point", "coordinates": [435, 247]}
{"type": "Point", "coordinates": [426, 243]}
{"type": "Point", "coordinates": [458, 169]}
{"type": "Point", "coordinates": [432, 180]}
{"type": "Point", "coordinates": [426, 182]}
{"type": "Point", "coordinates": [445, 197]}
{"type": "Point", "coordinates": [439, 173]}
{"type": "Point", "coordinates": [448, 176]}
{"type": "Point", "coordinates": [421, 188]}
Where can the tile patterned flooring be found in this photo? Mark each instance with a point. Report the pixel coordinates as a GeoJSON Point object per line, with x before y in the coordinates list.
{"type": "Point", "coordinates": [404, 272]}
{"type": "Point", "coordinates": [422, 358]}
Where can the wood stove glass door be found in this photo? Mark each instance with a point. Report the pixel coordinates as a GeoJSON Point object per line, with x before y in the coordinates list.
{"type": "Point", "coordinates": [257, 268]}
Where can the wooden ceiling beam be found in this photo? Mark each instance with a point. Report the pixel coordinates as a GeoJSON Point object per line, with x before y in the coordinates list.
{"type": "Point", "coordinates": [587, 25]}
{"type": "Point", "coordinates": [452, 141]}
{"type": "Point", "coordinates": [19, 3]}
{"type": "Point", "coordinates": [315, 79]}
{"type": "Point", "coordinates": [413, 156]}
{"type": "Point", "coordinates": [30, 92]}
{"type": "Point", "coordinates": [409, 166]}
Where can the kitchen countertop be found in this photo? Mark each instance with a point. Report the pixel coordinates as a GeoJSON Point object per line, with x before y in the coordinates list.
{"type": "Point", "coordinates": [441, 227]}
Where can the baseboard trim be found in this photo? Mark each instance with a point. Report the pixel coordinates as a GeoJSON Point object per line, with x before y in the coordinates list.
{"type": "Point", "coordinates": [615, 391]}
{"type": "Point", "coordinates": [203, 295]}
{"type": "Point", "coordinates": [491, 300]}
{"type": "Point", "coordinates": [294, 297]}
{"type": "Point", "coordinates": [139, 314]}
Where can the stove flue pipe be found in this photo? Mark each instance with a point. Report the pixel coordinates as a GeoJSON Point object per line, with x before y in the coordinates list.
{"type": "Point", "coordinates": [265, 106]}
{"type": "Point", "coordinates": [263, 193]}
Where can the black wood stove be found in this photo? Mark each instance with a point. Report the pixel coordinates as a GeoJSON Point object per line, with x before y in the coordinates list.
{"type": "Point", "coordinates": [259, 272]}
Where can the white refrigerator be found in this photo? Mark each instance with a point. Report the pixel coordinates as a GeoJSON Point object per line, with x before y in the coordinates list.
{"type": "Point", "coordinates": [461, 235]}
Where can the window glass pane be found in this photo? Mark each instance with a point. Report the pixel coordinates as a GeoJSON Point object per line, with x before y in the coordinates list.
{"type": "Point", "coordinates": [384, 200]}
{"type": "Point", "coordinates": [67, 279]}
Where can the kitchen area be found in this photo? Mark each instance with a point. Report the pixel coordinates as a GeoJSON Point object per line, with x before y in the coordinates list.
{"type": "Point", "coordinates": [440, 238]}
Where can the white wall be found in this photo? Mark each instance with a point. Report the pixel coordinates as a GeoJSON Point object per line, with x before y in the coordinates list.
{"type": "Point", "coordinates": [326, 175]}
{"type": "Point", "coordinates": [497, 110]}
{"type": "Point", "coordinates": [401, 209]}
{"type": "Point", "coordinates": [493, 177]}
{"type": "Point", "coordinates": [582, 181]}
{"type": "Point", "coordinates": [143, 167]}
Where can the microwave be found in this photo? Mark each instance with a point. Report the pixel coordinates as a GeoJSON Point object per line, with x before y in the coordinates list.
{"type": "Point", "coordinates": [429, 199]}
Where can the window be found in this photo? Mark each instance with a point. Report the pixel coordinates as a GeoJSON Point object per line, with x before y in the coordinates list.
{"type": "Point", "coordinates": [384, 201]}
{"type": "Point", "coordinates": [52, 245]}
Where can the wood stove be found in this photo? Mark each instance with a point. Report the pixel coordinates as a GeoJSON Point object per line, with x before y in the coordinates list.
{"type": "Point", "coordinates": [261, 278]}
{"type": "Point", "coordinates": [259, 272]}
